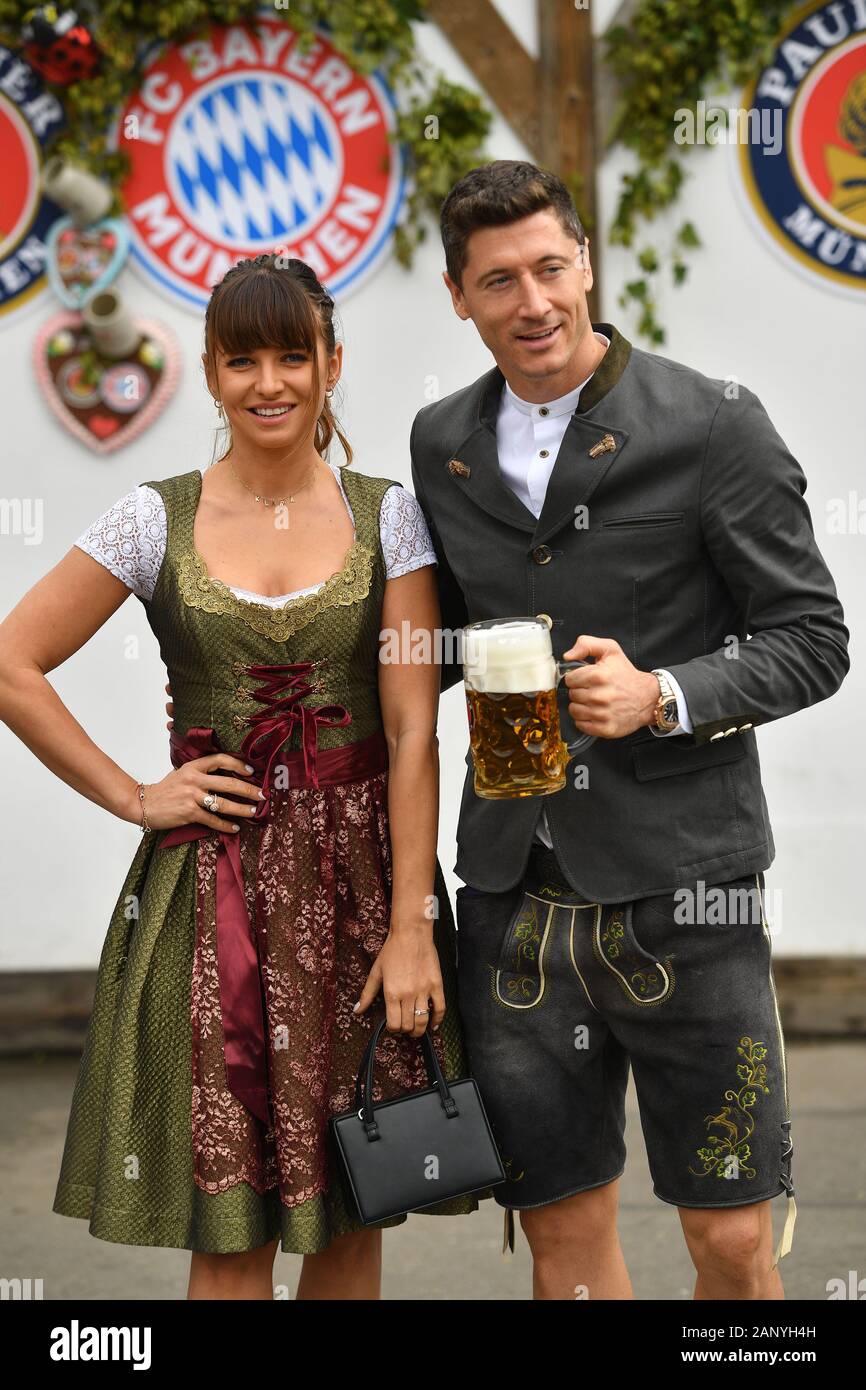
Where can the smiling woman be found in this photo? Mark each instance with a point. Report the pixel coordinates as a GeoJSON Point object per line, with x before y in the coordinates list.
{"type": "Point", "coordinates": [288, 317]}
{"type": "Point", "coordinates": [287, 888]}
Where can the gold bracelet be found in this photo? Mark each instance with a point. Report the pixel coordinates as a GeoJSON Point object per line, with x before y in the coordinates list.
{"type": "Point", "coordinates": [144, 825]}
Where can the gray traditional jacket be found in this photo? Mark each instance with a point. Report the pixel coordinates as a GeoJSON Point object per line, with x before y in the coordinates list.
{"type": "Point", "coordinates": [696, 552]}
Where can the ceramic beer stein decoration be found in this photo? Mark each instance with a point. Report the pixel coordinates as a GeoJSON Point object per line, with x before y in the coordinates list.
{"type": "Point", "coordinates": [511, 677]}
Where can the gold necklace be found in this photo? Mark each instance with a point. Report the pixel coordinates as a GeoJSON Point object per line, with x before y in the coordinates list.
{"type": "Point", "coordinates": [271, 501]}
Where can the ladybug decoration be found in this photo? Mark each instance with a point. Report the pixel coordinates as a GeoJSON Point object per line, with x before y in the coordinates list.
{"type": "Point", "coordinates": [58, 47]}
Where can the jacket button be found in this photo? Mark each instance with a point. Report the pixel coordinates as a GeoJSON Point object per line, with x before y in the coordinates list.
{"type": "Point", "coordinates": [542, 555]}
{"type": "Point", "coordinates": [720, 734]}
{"type": "Point", "coordinates": [744, 727]}
{"type": "Point", "coordinates": [732, 730]}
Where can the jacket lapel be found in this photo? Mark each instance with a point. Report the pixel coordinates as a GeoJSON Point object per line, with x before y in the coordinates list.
{"type": "Point", "coordinates": [483, 481]}
{"type": "Point", "coordinates": [474, 467]}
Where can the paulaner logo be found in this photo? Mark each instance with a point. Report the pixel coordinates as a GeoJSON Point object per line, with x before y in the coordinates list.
{"type": "Point", "coordinates": [76, 1343]}
{"type": "Point", "coordinates": [812, 199]}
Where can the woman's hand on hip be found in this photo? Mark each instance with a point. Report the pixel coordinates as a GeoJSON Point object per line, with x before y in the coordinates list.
{"type": "Point", "coordinates": [177, 799]}
{"type": "Point", "coordinates": [407, 972]}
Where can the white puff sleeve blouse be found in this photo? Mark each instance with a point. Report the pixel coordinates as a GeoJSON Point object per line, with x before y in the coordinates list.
{"type": "Point", "coordinates": [129, 539]}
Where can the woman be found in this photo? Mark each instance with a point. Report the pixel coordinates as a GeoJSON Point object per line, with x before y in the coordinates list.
{"type": "Point", "coordinates": [287, 875]}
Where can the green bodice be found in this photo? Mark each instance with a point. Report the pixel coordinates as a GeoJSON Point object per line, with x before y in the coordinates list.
{"type": "Point", "coordinates": [207, 635]}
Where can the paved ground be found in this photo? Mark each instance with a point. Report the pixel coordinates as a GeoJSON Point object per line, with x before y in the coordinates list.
{"type": "Point", "coordinates": [452, 1257]}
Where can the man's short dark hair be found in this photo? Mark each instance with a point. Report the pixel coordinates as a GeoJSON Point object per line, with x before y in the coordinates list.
{"type": "Point", "coordinates": [494, 194]}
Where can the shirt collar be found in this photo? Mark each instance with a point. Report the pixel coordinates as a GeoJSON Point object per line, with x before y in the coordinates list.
{"type": "Point", "coordinates": [562, 405]}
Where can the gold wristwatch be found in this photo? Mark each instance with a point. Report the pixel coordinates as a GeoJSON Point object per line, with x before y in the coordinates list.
{"type": "Point", "coordinates": [666, 714]}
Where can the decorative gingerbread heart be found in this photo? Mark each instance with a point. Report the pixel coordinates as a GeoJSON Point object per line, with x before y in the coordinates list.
{"type": "Point", "coordinates": [105, 402]}
{"type": "Point", "coordinates": [81, 261]}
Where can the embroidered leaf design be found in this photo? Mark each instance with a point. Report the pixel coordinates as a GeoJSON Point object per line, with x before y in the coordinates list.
{"type": "Point", "coordinates": [736, 1118]}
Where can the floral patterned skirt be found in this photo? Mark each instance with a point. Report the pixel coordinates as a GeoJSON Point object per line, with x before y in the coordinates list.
{"type": "Point", "coordinates": [151, 1090]}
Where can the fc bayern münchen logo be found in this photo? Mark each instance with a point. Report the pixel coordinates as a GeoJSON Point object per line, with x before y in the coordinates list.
{"type": "Point", "coordinates": [242, 143]}
{"type": "Point", "coordinates": [811, 197]}
{"type": "Point", "coordinates": [29, 116]}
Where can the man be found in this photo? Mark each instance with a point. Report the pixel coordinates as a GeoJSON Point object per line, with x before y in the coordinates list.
{"type": "Point", "coordinates": [656, 516]}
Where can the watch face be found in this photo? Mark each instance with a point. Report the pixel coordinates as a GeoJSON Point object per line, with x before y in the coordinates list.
{"type": "Point", "coordinates": [670, 712]}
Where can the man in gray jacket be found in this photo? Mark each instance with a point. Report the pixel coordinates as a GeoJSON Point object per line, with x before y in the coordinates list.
{"type": "Point", "coordinates": [658, 519]}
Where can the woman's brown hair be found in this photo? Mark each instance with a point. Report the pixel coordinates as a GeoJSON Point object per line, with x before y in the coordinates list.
{"type": "Point", "coordinates": [275, 301]}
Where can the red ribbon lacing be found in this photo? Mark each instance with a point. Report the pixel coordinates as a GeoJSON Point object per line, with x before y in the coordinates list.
{"type": "Point", "coordinates": [238, 947]}
{"type": "Point", "coordinates": [272, 725]}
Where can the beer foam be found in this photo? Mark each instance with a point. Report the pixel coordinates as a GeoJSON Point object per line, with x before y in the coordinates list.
{"type": "Point", "coordinates": [508, 658]}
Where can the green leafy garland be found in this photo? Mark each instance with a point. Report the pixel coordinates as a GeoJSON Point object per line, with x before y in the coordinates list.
{"type": "Point", "coordinates": [370, 34]}
{"type": "Point", "coordinates": [666, 59]}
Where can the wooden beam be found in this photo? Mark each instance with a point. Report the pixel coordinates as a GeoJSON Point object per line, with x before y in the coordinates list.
{"type": "Point", "coordinates": [497, 58]}
{"type": "Point", "coordinates": [566, 106]}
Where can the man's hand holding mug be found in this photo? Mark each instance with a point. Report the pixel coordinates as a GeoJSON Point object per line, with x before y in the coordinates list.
{"type": "Point", "coordinates": [610, 698]}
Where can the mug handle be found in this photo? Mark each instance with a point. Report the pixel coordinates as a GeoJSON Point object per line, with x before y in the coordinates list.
{"type": "Point", "coordinates": [585, 739]}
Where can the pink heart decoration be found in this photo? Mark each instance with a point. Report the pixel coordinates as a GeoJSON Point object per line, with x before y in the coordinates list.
{"type": "Point", "coordinates": [81, 261]}
{"type": "Point", "coordinates": [105, 402]}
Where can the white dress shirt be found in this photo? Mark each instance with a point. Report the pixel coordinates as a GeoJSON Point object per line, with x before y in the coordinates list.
{"type": "Point", "coordinates": [528, 437]}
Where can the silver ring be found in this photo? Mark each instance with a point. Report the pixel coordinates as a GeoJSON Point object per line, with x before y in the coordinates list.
{"type": "Point", "coordinates": [422, 1011]}
{"type": "Point", "coordinates": [210, 801]}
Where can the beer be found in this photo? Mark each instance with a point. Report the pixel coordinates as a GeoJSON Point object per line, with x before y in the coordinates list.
{"type": "Point", "coordinates": [510, 677]}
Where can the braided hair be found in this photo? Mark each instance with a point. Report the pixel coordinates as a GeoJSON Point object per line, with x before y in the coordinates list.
{"type": "Point", "coordinates": [275, 301]}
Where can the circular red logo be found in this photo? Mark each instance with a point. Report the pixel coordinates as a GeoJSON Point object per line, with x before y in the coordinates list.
{"type": "Point", "coordinates": [21, 191]}
{"type": "Point", "coordinates": [29, 117]}
{"type": "Point", "coordinates": [242, 143]}
{"type": "Point", "coordinates": [828, 135]}
{"type": "Point", "coordinates": [806, 177]}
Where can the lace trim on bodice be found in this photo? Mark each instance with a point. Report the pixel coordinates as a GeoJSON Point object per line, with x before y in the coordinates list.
{"type": "Point", "coordinates": [129, 539]}
{"type": "Point", "coordinates": [348, 585]}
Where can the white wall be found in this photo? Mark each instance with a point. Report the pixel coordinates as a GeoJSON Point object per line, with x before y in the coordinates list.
{"type": "Point", "coordinates": [744, 313]}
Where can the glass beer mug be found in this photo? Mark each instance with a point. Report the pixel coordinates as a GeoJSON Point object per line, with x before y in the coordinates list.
{"type": "Point", "coordinates": [510, 676]}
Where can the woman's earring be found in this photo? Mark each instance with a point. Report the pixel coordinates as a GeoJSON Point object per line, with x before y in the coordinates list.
{"type": "Point", "coordinates": [219, 406]}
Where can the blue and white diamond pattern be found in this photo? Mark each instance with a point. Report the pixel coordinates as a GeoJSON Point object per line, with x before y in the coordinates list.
{"type": "Point", "coordinates": [254, 160]}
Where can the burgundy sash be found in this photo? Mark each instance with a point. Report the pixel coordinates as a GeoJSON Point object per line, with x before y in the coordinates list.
{"type": "Point", "coordinates": [238, 944]}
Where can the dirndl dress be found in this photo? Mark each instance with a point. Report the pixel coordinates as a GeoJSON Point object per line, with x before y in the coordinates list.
{"type": "Point", "coordinates": [222, 1036]}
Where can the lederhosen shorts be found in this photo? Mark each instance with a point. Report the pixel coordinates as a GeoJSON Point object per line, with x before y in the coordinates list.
{"type": "Point", "coordinates": [557, 996]}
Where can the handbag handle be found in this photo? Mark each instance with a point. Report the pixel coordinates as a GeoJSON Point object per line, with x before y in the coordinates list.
{"type": "Point", "coordinates": [364, 1094]}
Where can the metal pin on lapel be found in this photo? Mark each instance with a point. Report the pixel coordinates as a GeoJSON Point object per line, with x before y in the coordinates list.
{"type": "Point", "coordinates": [605, 445]}
{"type": "Point", "coordinates": [459, 467]}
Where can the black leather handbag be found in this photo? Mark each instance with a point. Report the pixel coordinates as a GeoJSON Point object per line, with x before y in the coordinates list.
{"type": "Point", "coordinates": [418, 1148]}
